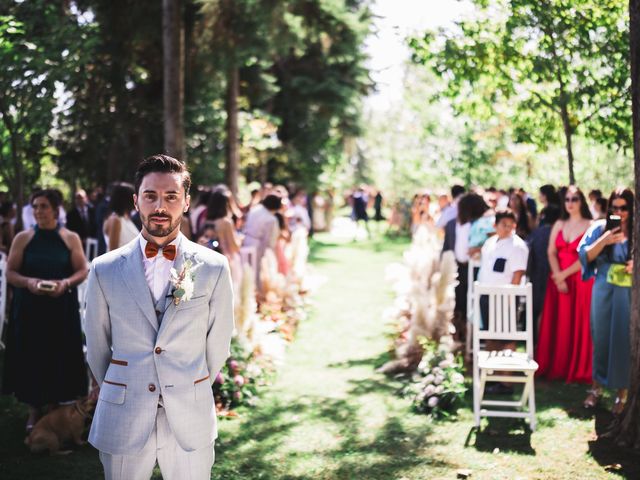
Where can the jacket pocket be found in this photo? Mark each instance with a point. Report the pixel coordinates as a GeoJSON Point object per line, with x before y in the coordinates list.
{"type": "Point", "coordinates": [194, 302]}
{"type": "Point", "coordinates": [112, 392]}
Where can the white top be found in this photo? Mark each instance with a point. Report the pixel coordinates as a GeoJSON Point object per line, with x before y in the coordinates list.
{"type": "Point", "coordinates": [461, 247]}
{"type": "Point", "coordinates": [156, 269]}
{"type": "Point", "coordinates": [128, 231]}
{"type": "Point", "coordinates": [501, 259]}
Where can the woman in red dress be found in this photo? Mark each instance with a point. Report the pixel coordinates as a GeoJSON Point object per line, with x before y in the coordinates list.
{"type": "Point", "coordinates": [564, 350]}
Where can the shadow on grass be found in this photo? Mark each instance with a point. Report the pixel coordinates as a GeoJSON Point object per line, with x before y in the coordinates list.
{"type": "Point", "coordinates": [260, 448]}
{"type": "Point", "coordinates": [507, 435]}
{"type": "Point", "coordinates": [615, 459]}
{"type": "Point", "coordinates": [373, 362]}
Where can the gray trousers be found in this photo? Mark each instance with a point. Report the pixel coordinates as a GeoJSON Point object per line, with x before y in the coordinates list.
{"type": "Point", "coordinates": [174, 462]}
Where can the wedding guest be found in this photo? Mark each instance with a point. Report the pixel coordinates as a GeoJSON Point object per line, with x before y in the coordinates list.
{"type": "Point", "coordinates": [601, 207]}
{"type": "Point", "coordinates": [219, 218]}
{"type": "Point", "coordinates": [360, 199]}
{"type": "Point", "coordinates": [564, 350]}
{"type": "Point", "coordinates": [538, 268]}
{"type": "Point", "coordinates": [594, 196]}
{"type": "Point", "coordinates": [82, 217]}
{"type": "Point", "coordinates": [200, 206]}
{"type": "Point", "coordinates": [481, 218]}
{"type": "Point", "coordinates": [524, 221]}
{"type": "Point", "coordinates": [605, 253]}
{"type": "Point", "coordinates": [261, 227]}
{"type": "Point", "coordinates": [319, 218]}
{"type": "Point", "coordinates": [530, 203]}
{"type": "Point", "coordinates": [299, 214]}
{"type": "Point", "coordinates": [421, 211]}
{"type": "Point", "coordinates": [547, 195]}
{"type": "Point", "coordinates": [119, 229]}
{"type": "Point", "coordinates": [284, 237]}
{"type": "Point", "coordinates": [450, 212]}
{"type": "Point", "coordinates": [44, 362]}
{"type": "Point", "coordinates": [7, 228]}
{"type": "Point", "coordinates": [378, 200]}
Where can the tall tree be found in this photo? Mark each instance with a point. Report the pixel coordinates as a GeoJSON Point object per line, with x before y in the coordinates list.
{"type": "Point", "coordinates": [556, 66]}
{"type": "Point", "coordinates": [173, 78]}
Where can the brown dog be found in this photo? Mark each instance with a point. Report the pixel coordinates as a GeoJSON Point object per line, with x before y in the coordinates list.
{"type": "Point", "coordinates": [60, 426]}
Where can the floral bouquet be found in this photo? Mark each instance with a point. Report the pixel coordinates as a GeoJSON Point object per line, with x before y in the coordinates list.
{"type": "Point", "coordinates": [438, 385]}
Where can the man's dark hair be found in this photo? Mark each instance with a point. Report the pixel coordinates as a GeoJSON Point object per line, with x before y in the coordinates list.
{"type": "Point", "coordinates": [457, 190]}
{"type": "Point", "coordinates": [162, 164]}
{"type": "Point", "coordinates": [503, 213]}
{"type": "Point", "coordinates": [272, 202]}
{"type": "Point", "coordinates": [596, 193]}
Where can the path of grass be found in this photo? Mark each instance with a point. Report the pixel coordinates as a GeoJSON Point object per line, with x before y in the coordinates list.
{"type": "Point", "coordinates": [329, 415]}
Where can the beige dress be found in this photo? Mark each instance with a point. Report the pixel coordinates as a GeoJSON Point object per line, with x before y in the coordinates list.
{"type": "Point", "coordinates": [128, 231]}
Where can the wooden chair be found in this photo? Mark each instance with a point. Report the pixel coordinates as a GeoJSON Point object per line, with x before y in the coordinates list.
{"type": "Point", "coordinates": [3, 294]}
{"type": "Point", "coordinates": [511, 367]}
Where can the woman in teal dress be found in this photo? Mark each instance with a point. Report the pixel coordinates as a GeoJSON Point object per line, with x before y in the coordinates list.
{"type": "Point", "coordinates": [605, 254]}
{"type": "Point", "coordinates": [44, 362]}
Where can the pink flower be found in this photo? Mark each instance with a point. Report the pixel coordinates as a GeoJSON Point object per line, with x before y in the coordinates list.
{"type": "Point", "coordinates": [233, 365]}
{"type": "Point", "coordinates": [238, 380]}
{"type": "Point", "coordinates": [219, 378]}
{"type": "Point", "coordinates": [237, 395]}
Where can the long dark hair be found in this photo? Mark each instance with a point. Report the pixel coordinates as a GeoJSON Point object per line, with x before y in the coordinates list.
{"type": "Point", "coordinates": [218, 205]}
{"type": "Point", "coordinates": [627, 195]}
{"type": "Point", "coordinates": [550, 193]}
{"type": "Point", "coordinates": [471, 207]}
{"type": "Point", "coordinates": [121, 199]}
{"type": "Point", "coordinates": [522, 214]}
{"type": "Point", "coordinates": [584, 208]}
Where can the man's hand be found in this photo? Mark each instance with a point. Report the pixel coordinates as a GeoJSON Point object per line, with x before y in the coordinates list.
{"type": "Point", "coordinates": [629, 267]}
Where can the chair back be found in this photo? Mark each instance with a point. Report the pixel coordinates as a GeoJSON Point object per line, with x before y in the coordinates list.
{"type": "Point", "coordinates": [503, 306]}
{"type": "Point", "coordinates": [3, 294]}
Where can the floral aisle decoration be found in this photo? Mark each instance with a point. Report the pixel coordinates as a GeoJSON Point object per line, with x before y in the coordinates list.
{"type": "Point", "coordinates": [425, 298]}
{"type": "Point", "coordinates": [263, 330]}
{"type": "Point", "coordinates": [438, 384]}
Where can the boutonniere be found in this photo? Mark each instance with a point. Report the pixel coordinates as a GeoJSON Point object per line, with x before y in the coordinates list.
{"type": "Point", "coordinates": [183, 282]}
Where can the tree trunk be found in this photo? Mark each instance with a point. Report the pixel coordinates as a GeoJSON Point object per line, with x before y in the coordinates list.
{"type": "Point", "coordinates": [233, 153]}
{"type": "Point", "coordinates": [628, 431]}
{"type": "Point", "coordinates": [173, 81]}
{"type": "Point", "coordinates": [568, 133]}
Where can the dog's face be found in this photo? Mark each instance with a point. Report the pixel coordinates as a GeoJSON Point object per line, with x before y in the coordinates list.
{"type": "Point", "coordinates": [87, 404]}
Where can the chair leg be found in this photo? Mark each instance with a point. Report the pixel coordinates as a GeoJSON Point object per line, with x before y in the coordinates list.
{"type": "Point", "coordinates": [532, 404]}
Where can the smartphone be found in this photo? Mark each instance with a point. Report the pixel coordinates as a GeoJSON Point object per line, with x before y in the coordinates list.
{"type": "Point", "coordinates": [47, 286]}
{"type": "Point", "coordinates": [613, 222]}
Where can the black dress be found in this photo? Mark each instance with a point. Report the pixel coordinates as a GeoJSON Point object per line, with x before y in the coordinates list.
{"type": "Point", "coordinates": [44, 362]}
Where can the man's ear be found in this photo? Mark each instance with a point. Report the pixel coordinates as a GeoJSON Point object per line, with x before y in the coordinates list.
{"type": "Point", "coordinates": [187, 203]}
{"type": "Point", "coordinates": [135, 202]}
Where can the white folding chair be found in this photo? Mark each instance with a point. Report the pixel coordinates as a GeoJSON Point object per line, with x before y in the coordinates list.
{"type": "Point", "coordinates": [473, 267]}
{"type": "Point", "coordinates": [511, 367]}
{"type": "Point", "coordinates": [90, 249]}
{"type": "Point", "coordinates": [3, 294]}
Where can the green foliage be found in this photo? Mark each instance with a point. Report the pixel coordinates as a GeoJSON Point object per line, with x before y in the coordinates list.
{"type": "Point", "coordinates": [552, 68]}
{"type": "Point", "coordinates": [36, 38]}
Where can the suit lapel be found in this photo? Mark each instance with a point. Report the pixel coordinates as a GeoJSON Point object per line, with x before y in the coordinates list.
{"type": "Point", "coordinates": [132, 270]}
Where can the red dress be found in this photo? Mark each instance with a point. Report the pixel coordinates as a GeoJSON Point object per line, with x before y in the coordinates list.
{"type": "Point", "coordinates": [564, 349]}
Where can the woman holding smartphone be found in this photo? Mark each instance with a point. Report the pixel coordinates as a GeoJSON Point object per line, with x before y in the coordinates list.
{"type": "Point", "coordinates": [44, 363]}
{"type": "Point", "coordinates": [605, 253]}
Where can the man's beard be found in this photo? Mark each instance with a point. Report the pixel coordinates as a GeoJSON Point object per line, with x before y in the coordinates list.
{"type": "Point", "coordinates": [159, 231]}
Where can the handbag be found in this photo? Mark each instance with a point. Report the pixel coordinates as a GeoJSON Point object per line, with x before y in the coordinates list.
{"type": "Point", "coordinates": [618, 276]}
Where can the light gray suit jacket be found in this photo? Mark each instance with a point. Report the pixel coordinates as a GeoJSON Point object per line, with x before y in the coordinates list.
{"type": "Point", "coordinates": [135, 360]}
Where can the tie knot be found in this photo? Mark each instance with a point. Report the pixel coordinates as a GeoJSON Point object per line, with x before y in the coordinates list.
{"type": "Point", "coordinates": [152, 249]}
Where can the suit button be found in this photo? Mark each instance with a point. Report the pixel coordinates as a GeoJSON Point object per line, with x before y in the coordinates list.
{"type": "Point", "coordinates": [158, 350]}
{"type": "Point", "coordinates": [152, 387]}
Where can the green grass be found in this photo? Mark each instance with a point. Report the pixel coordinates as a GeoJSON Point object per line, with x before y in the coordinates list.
{"type": "Point", "coordinates": [329, 415]}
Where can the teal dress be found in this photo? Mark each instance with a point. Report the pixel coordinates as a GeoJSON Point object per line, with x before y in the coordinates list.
{"type": "Point", "coordinates": [44, 361]}
{"type": "Point", "coordinates": [610, 312]}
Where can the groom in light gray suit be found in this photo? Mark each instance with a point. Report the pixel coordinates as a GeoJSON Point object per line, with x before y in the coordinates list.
{"type": "Point", "coordinates": [156, 340]}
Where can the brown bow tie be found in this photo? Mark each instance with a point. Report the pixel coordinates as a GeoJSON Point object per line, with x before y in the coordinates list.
{"type": "Point", "coordinates": [168, 252]}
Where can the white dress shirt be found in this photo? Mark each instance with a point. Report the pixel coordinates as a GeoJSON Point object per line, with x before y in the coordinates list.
{"type": "Point", "coordinates": [156, 269]}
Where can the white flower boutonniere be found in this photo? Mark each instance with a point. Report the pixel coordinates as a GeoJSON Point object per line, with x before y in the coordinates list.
{"type": "Point", "coordinates": [183, 282]}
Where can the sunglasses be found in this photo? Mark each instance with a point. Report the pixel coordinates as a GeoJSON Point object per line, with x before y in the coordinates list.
{"type": "Point", "coordinates": [572, 199]}
{"type": "Point", "coordinates": [619, 208]}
